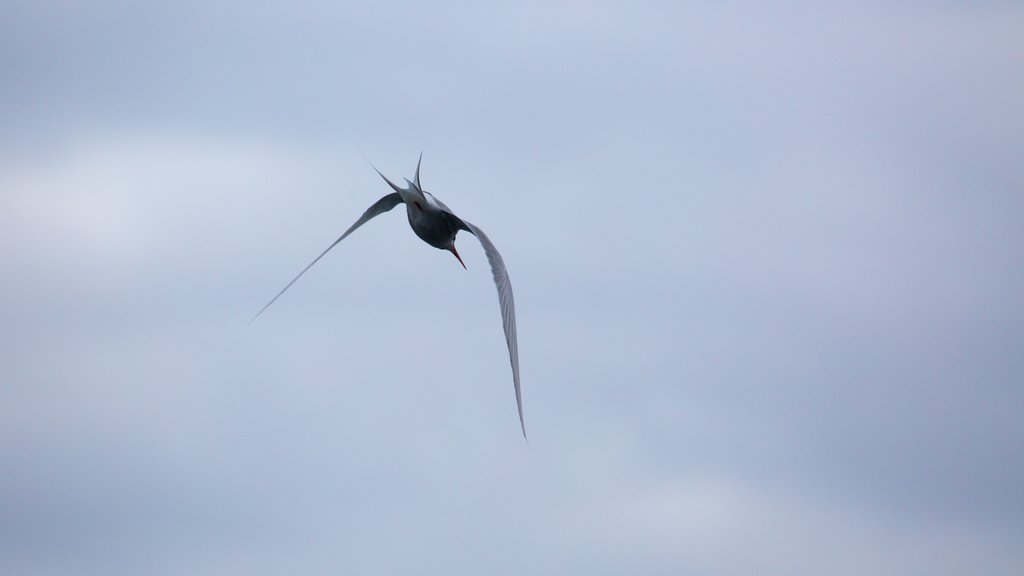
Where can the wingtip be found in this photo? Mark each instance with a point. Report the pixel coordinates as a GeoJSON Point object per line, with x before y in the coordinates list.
{"type": "Point", "coordinates": [262, 310]}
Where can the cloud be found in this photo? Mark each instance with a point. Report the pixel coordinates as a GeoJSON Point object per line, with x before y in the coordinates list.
{"type": "Point", "coordinates": [764, 264]}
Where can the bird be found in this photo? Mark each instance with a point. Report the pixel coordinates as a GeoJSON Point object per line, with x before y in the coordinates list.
{"type": "Point", "coordinates": [437, 225]}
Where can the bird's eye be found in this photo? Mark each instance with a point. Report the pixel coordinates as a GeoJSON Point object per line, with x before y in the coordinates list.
{"type": "Point", "coordinates": [418, 205]}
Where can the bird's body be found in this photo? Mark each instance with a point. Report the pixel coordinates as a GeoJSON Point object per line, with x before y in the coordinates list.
{"type": "Point", "coordinates": [437, 225]}
{"type": "Point", "coordinates": [433, 222]}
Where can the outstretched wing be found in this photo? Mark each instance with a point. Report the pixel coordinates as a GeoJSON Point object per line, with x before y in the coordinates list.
{"type": "Point", "coordinates": [508, 309]}
{"type": "Point", "coordinates": [381, 206]}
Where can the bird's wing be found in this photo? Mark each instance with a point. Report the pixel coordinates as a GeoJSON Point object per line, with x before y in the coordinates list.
{"type": "Point", "coordinates": [508, 309]}
{"type": "Point", "coordinates": [381, 206]}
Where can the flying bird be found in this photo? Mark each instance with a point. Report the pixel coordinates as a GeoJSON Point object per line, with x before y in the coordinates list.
{"type": "Point", "coordinates": [436, 225]}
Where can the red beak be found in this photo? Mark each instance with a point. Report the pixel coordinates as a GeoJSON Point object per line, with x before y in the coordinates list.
{"type": "Point", "coordinates": [454, 251]}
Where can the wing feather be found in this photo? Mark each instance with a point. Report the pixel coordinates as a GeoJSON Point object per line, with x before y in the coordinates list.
{"type": "Point", "coordinates": [379, 207]}
{"type": "Point", "coordinates": [508, 309]}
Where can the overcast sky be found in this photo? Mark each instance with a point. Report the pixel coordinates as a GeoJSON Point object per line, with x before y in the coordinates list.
{"type": "Point", "coordinates": [767, 265]}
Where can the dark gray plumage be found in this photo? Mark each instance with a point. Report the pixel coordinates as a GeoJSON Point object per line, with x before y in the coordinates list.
{"type": "Point", "coordinates": [437, 225]}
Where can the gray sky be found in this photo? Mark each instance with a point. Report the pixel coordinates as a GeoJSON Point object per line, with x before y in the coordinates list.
{"type": "Point", "coordinates": [767, 264]}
